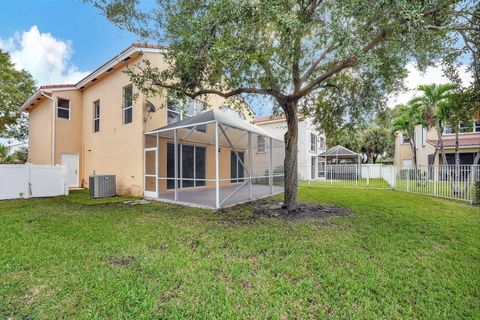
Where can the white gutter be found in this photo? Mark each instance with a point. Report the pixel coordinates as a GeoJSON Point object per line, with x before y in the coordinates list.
{"type": "Point", "coordinates": [53, 125]}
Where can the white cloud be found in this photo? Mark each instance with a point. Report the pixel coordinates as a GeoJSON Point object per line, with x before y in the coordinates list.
{"type": "Point", "coordinates": [431, 75]}
{"type": "Point", "coordinates": [44, 56]}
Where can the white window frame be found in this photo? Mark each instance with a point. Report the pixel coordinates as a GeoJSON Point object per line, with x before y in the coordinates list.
{"type": "Point", "coordinates": [321, 141]}
{"type": "Point", "coordinates": [476, 126]}
{"type": "Point", "coordinates": [197, 108]}
{"type": "Point", "coordinates": [125, 108]}
{"type": "Point", "coordinates": [403, 139]}
{"type": "Point", "coordinates": [461, 127]}
{"type": "Point", "coordinates": [261, 145]}
{"type": "Point", "coordinates": [69, 108]}
{"type": "Point", "coordinates": [95, 118]}
{"type": "Point", "coordinates": [313, 143]}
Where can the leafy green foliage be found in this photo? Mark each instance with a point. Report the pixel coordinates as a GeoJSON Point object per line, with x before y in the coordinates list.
{"type": "Point", "coordinates": [19, 156]}
{"type": "Point", "coordinates": [15, 87]}
{"type": "Point", "coordinates": [288, 47]}
{"type": "Point", "coordinates": [372, 139]}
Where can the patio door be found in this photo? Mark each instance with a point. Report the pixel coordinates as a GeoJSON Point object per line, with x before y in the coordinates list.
{"type": "Point", "coordinates": [151, 173]}
{"type": "Point", "coordinates": [322, 166]}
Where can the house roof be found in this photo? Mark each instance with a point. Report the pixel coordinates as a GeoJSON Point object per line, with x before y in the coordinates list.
{"type": "Point", "coordinates": [339, 151]}
{"type": "Point", "coordinates": [122, 57]}
{"type": "Point", "coordinates": [57, 86]}
{"type": "Point", "coordinates": [211, 116]}
{"type": "Point", "coordinates": [108, 66]}
{"type": "Point", "coordinates": [462, 142]}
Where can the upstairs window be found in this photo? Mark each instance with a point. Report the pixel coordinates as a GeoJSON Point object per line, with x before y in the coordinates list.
{"type": "Point", "coordinates": [127, 104]}
{"type": "Point", "coordinates": [232, 113]}
{"type": "Point", "coordinates": [96, 116]}
{"type": "Point", "coordinates": [447, 129]}
{"type": "Point", "coordinates": [477, 126]}
{"type": "Point", "coordinates": [321, 143]}
{"type": "Point", "coordinates": [405, 139]}
{"type": "Point", "coordinates": [313, 142]}
{"type": "Point", "coordinates": [260, 144]}
{"type": "Point", "coordinates": [463, 127]}
{"type": "Point", "coordinates": [63, 108]}
{"type": "Point", "coordinates": [179, 109]}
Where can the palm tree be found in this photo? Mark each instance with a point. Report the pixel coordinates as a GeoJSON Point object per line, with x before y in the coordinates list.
{"type": "Point", "coordinates": [408, 117]}
{"type": "Point", "coordinates": [433, 104]}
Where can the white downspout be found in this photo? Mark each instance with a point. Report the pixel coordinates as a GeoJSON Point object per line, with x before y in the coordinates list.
{"type": "Point", "coordinates": [53, 125]}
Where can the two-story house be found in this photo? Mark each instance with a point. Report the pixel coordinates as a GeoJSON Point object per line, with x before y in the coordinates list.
{"type": "Point", "coordinates": [426, 140]}
{"type": "Point", "coordinates": [98, 125]}
{"type": "Point", "coordinates": [311, 143]}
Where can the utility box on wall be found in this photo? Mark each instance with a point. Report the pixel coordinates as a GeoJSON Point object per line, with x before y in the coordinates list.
{"type": "Point", "coordinates": [102, 186]}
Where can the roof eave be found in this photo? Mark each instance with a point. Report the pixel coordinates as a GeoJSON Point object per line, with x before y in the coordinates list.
{"type": "Point", "coordinates": [115, 61]}
{"type": "Point", "coordinates": [30, 100]}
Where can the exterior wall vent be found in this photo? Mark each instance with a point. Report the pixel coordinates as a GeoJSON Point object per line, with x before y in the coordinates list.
{"type": "Point", "coordinates": [102, 186]}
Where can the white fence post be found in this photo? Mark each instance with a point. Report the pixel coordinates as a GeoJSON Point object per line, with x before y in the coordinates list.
{"type": "Point", "coordinates": [368, 174]}
{"type": "Point", "coordinates": [472, 184]}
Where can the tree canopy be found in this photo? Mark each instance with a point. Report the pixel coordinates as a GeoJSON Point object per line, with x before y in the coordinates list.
{"type": "Point", "coordinates": [15, 87]}
{"type": "Point", "coordinates": [290, 50]}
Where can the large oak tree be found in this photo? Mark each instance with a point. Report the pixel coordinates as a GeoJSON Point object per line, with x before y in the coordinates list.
{"type": "Point", "coordinates": [289, 50]}
{"type": "Point", "coordinates": [15, 87]}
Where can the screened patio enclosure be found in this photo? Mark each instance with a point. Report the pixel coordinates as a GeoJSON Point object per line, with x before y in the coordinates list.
{"type": "Point", "coordinates": [212, 160]}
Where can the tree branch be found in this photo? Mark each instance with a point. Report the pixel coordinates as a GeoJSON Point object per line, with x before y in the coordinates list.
{"type": "Point", "coordinates": [296, 61]}
{"type": "Point", "coordinates": [347, 63]}
{"type": "Point", "coordinates": [314, 65]}
{"type": "Point", "coordinates": [224, 94]}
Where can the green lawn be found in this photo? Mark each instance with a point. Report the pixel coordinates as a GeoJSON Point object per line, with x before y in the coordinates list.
{"type": "Point", "coordinates": [400, 256]}
{"type": "Point", "coordinates": [375, 183]}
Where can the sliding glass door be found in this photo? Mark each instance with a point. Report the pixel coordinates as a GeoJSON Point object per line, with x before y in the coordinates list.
{"type": "Point", "coordinates": [191, 166]}
{"type": "Point", "coordinates": [236, 167]}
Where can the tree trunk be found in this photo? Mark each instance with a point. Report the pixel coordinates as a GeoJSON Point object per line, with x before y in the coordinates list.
{"type": "Point", "coordinates": [457, 154]}
{"type": "Point", "coordinates": [291, 161]}
{"type": "Point", "coordinates": [477, 158]}
{"type": "Point", "coordinates": [414, 152]}
{"type": "Point", "coordinates": [434, 155]}
{"type": "Point", "coordinates": [440, 142]}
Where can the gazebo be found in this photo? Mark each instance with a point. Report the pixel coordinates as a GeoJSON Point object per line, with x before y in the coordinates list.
{"type": "Point", "coordinates": [341, 155]}
{"type": "Point", "coordinates": [341, 163]}
{"type": "Point", "coordinates": [212, 160]}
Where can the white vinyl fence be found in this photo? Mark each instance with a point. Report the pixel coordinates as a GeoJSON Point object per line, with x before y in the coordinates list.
{"type": "Point", "coordinates": [447, 181]}
{"type": "Point", "coordinates": [27, 180]}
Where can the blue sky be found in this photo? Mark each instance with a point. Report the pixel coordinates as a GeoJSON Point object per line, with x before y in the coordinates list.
{"type": "Point", "coordinates": [71, 33]}
{"type": "Point", "coordinates": [93, 39]}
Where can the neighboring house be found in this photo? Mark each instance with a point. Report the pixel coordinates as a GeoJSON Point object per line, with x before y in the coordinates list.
{"type": "Point", "coordinates": [97, 126]}
{"type": "Point", "coordinates": [426, 140]}
{"type": "Point", "coordinates": [311, 143]}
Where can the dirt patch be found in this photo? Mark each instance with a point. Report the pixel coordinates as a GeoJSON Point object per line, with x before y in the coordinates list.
{"type": "Point", "coordinates": [121, 261]}
{"type": "Point", "coordinates": [304, 211]}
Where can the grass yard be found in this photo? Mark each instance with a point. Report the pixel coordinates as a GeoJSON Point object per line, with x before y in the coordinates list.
{"type": "Point", "coordinates": [375, 183]}
{"type": "Point", "coordinates": [400, 256]}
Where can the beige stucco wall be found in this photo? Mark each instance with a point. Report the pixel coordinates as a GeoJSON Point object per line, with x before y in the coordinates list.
{"type": "Point", "coordinates": [404, 151]}
{"type": "Point", "coordinates": [40, 133]}
{"type": "Point", "coordinates": [117, 148]}
{"type": "Point", "coordinates": [68, 132]}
